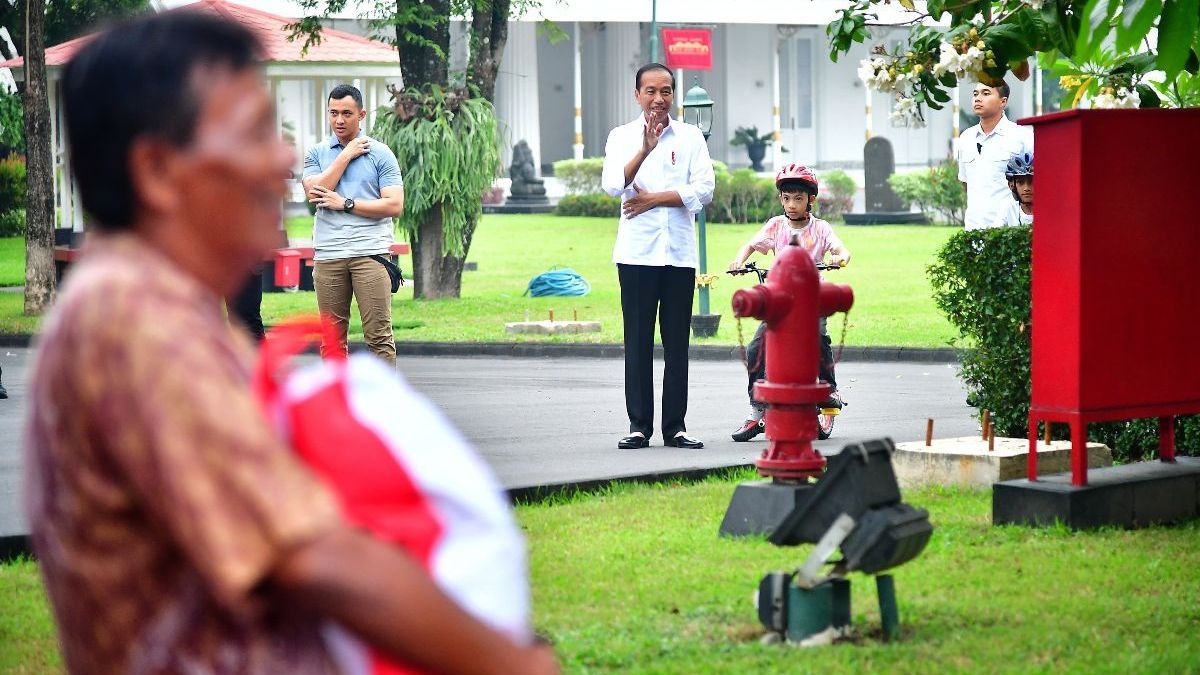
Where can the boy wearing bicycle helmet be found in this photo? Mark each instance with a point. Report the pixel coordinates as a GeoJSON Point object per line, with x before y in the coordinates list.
{"type": "Point", "coordinates": [1019, 173]}
{"type": "Point", "coordinates": [797, 226]}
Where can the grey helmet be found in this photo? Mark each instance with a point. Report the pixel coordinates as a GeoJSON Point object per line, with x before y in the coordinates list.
{"type": "Point", "coordinates": [1019, 165]}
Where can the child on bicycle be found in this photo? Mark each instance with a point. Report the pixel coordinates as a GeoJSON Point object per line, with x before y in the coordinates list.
{"type": "Point", "coordinates": [797, 226]}
{"type": "Point", "coordinates": [1019, 173]}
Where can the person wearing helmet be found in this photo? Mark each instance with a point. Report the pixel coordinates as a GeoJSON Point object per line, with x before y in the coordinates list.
{"type": "Point", "coordinates": [1019, 173]}
{"type": "Point", "coordinates": [984, 149]}
{"type": "Point", "coordinates": [798, 186]}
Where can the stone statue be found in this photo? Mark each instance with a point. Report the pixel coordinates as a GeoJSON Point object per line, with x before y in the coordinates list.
{"type": "Point", "coordinates": [526, 186]}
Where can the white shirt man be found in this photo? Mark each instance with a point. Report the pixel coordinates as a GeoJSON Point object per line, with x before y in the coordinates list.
{"type": "Point", "coordinates": [984, 151]}
{"type": "Point", "coordinates": [662, 171]}
{"type": "Point", "coordinates": [664, 235]}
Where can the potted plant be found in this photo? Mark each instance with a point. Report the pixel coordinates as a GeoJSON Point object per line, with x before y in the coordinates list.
{"type": "Point", "coordinates": [756, 145]}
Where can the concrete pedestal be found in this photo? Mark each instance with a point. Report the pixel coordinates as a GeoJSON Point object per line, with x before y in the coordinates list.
{"type": "Point", "coordinates": [967, 462]}
{"type": "Point", "coordinates": [1131, 495]}
{"type": "Point", "coordinates": [552, 327]}
{"type": "Point", "coordinates": [758, 507]}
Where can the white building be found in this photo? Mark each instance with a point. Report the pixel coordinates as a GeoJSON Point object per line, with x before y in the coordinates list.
{"type": "Point", "coordinates": [765, 53]}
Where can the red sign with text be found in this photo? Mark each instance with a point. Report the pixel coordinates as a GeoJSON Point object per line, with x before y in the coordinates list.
{"type": "Point", "coordinates": [690, 49]}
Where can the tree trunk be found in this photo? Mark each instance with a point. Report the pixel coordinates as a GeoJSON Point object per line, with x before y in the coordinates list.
{"type": "Point", "coordinates": [489, 33]}
{"type": "Point", "coordinates": [420, 64]}
{"type": "Point", "coordinates": [435, 274]}
{"type": "Point", "coordinates": [39, 207]}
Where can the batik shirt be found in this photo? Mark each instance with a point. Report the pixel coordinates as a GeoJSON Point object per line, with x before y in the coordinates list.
{"type": "Point", "coordinates": [158, 496]}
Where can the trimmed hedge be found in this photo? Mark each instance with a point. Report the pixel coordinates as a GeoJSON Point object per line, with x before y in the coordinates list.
{"type": "Point", "coordinates": [580, 176]}
{"type": "Point", "coordinates": [12, 223]}
{"type": "Point", "coordinates": [12, 183]}
{"type": "Point", "coordinates": [981, 281]}
{"type": "Point", "coordinates": [597, 205]}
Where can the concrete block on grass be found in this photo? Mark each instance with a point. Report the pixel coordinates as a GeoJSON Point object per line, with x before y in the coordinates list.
{"type": "Point", "coordinates": [552, 327]}
{"type": "Point", "coordinates": [967, 462]}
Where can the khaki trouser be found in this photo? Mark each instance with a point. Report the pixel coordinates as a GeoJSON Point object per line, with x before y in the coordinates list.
{"type": "Point", "coordinates": [369, 283]}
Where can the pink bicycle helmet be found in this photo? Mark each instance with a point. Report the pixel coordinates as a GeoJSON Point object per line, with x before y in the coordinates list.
{"type": "Point", "coordinates": [797, 173]}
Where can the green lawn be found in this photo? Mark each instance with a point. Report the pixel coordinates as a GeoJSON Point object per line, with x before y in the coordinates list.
{"type": "Point", "coordinates": [893, 305]}
{"type": "Point", "coordinates": [635, 580]}
{"type": "Point", "coordinates": [12, 261]}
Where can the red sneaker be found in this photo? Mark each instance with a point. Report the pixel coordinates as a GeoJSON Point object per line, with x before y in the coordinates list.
{"type": "Point", "coordinates": [748, 430]}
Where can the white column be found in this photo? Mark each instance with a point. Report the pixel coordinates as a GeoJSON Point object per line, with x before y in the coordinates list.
{"type": "Point", "coordinates": [517, 92]}
{"type": "Point", "coordinates": [1037, 87]}
{"type": "Point", "coordinates": [680, 91]}
{"type": "Point", "coordinates": [622, 54]}
{"type": "Point", "coordinates": [867, 93]}
{"type": "Point", "coordinates": [577, 147]}
{"type": "Point", "coordinates": [955, 113]}
{"type": "Point", "coordinates": [776, 122]}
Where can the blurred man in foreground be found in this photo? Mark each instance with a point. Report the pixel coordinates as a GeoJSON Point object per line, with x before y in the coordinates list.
{"type": "Point", "coordinates": [175, 531]}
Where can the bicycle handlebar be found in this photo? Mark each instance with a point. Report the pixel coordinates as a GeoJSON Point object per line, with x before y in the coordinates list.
{"type": "Point", "coordinates": [762, 274]}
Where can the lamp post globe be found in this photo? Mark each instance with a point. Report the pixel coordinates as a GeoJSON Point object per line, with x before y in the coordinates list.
{"type": "Point", "coordinates": [698, 109]}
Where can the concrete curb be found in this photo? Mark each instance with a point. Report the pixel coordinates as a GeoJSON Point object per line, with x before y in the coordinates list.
{"type": "Point", "coordinates": [535, 494]}
{"type": "Point", "coordinates": [610, 351]}
{"type": "Point", "coordinates": [613, 351]}
{"type": "Point", "coordinates": [18, 545]}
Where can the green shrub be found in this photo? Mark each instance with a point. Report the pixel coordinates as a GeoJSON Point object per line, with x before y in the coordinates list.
{"type": "Point", "coordinates": [742, 197]}
{"type": "Point", "coordinates": [12, 223]}
{"type": "Point", "coordinates": [981, 281]}
{"type": "Point", "coordinates": [12, 183]}
{"type": "Point", "coordinates": [596, 204]}
{"type": "Point", "coordinates": [937, 193]}
{"type": "Point", "coordinates": [837, 194]}
{"type": "Point", "coordinates": [12, 122]}
{"type": "Point", "coordinates": [580, 176]}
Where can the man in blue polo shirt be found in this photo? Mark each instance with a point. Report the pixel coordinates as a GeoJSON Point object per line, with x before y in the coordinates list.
{"type": "Point", "coordinates": [355, 183]}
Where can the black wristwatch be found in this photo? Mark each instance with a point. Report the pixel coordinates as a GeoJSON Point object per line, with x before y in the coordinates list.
{"type": "Point", "coordinates": [348, 206]}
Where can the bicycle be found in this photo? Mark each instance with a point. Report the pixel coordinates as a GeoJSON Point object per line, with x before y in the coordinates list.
{"type": "Point", "coordinates": [825, 414]}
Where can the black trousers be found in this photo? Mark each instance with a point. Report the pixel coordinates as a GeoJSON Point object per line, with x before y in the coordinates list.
{"type": "Point", "coordinates": [246, 305]}
{"type": "Point", "coordinates": [647, 291]}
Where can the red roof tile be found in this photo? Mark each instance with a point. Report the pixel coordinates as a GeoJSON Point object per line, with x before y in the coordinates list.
{"type": "Point", "coordinates": [336, 46]}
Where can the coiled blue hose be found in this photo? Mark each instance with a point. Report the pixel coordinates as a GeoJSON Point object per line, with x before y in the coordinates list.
{"type": "Point", "coordinates": [564, 281]}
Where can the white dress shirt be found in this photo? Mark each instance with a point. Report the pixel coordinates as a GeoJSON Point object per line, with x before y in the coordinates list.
{"type": "Point", "coordinates": [680, 163]}
{"type": "Point", "coordinates": [1013, 215]}
{"type": "Point", "coordinates": [982, 159]}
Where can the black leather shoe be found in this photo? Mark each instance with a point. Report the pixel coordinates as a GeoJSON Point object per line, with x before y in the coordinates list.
{"type": "Point", "coordinates": [684, 442]}
{"type": "Point", "coordinates": [633, 441]}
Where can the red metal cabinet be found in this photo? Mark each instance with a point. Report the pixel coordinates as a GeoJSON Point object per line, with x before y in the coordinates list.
{"type": "Point", "coordinates": [1116, 238]}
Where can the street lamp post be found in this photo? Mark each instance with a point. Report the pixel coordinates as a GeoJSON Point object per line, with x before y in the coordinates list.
{"type": "Point", "coordinates": [698, 111]}
{"type": "Point", "coordinates": [653, 31]}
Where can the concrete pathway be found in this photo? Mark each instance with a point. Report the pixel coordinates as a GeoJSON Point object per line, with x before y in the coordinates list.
{"type": "Point", "coordinates": [547, 421]}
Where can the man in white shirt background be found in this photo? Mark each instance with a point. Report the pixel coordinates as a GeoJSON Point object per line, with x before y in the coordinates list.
{"type": "Point", "coordinates": [983, 153]}
{"type": "Point", "coordinates": [662, 171]}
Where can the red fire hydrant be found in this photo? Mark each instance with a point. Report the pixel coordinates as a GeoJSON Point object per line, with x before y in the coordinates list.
{"type": "Point", "coordinates": [790, 303]}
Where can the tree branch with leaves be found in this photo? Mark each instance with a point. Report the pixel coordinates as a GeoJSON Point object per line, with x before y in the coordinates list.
{"type": "Point", "coordinates": [1111, 53]}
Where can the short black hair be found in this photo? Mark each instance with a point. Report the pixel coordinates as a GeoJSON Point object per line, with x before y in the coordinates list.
{"type": "Point", "coordinates": [343, 90]}
{"type": "Point", "coordinates": [637, 79]}
{"type": "Point", "coordinates": [1002, 87]}
{"type": "Point", "coordinates": [135, 80]}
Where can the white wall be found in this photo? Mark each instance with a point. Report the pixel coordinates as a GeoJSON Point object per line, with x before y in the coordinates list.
{"type": "Point", "coordinates": [556, 97]}
{"type": "Point", "coordinates": [747, 55]}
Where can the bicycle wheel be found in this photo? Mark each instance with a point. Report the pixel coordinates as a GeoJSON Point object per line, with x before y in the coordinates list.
{"type": "Point", "coordinates": [824, 425]}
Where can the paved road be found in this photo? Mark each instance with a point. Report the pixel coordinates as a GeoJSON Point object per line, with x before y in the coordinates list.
{"type": "Point", "coordinates": [545, 421]}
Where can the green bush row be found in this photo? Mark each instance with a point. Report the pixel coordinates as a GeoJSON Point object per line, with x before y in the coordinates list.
{"type": "Point", "coordinates": [741, 196]}
{"type": "Point", "coordinates": [12, 183]}
{"type": "Point", "coordinates": [981, 281]}
{"type": "Point", "coordinates": [595, 205]}
{"type": "Point", "coordinates": [937, 193]}
{"type": "Point", "coordinates": [12, 223]}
